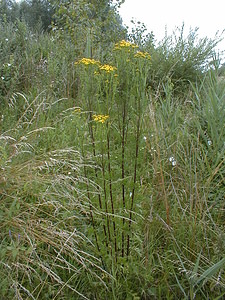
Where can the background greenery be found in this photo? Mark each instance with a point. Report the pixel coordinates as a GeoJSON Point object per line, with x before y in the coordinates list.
{"type": "Point", "coordinates": [111, 167]}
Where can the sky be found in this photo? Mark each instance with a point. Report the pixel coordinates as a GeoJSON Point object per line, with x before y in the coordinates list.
{"type": "Point", "coordinates": [208, 16]}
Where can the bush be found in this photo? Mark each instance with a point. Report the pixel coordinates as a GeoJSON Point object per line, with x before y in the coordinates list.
{"type": "Point", "coordinates": [184, 59]}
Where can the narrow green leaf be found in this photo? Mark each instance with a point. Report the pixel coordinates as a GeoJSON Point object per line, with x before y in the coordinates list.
{"type": "Point", "coordinates": [212, 270]}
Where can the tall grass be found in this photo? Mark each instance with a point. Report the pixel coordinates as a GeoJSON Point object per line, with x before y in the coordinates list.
{"type": "Point", "coordinates": [43, 207]}
{"type": "Point", "coordinates": [185, 199]}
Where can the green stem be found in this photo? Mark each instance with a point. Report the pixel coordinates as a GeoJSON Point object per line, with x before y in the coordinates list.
{"type": "Point", "coordinates": [111, 193]}
{"type": "Point", "coordinates": [96, 174]}
{"type": "Point", "coordinates": [123, 171]}
{"type": "Point", "coordinates": [106, 205]}
{"type": "Point", "coordinates": [134, 182]}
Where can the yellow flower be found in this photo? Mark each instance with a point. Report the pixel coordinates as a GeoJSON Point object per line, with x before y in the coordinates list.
{"type": "Point", "coordinates": [108, 68]}
{"type": "Point", "coordinates": [124, 44]}
{"type": "Point", "coordinates": [144, 55]}
{"type": "Point", "coordinates": [100, 118]}
{"type": "Point", "coordinates": [87, 61]}
{"type": "Point", "coordinates": [77, 110]}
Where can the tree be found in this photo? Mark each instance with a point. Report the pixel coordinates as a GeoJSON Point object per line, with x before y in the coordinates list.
{"type": "Point", "coordinates": [92, 21]}
{"type": "Point", "coordinates": [35, 12]}
{"type": "Point", "coordinates": [9, 10]}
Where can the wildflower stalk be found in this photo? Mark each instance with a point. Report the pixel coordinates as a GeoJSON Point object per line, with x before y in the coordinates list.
{"type": "Point", "coordinates": [88, 93]}
{"type": "Point", "coordinates": [111, 193]}
{"type": "Point", "coordinates": [106, 205]}
{"type": "Point", "coordinates": [107, 88]}
{"type": "Point", "coordinates": [139, 102]}
{"type": "Point", "coordinates": [134, 180]}
{"type": "Point", "coordinates": [123, 169]}
{"type": "Point", "coordinates": [96, 174]}
{"type": "Point", "coordinates": [108, 239]}
{"type": "Point", "coordinates": [90, 207]}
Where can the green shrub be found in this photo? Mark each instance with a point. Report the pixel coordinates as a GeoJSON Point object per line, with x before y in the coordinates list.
{"type": "Point", "coordinates": [182, 57]}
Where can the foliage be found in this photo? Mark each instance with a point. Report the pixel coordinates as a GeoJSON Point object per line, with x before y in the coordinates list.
{"type": "Point", "coordinates": [34, 62]}
{"type": "Point", "coordinates": [83, 20]}
{"type": "Point", "coordinates": [182, 57]}
{"type": "Point", "coordinates": [9, 10]}
{"type": "Point", "coordinates": [34, 12]}
{"type": "Point", "coordinates": [36, 249]}
{"type": "Point", "coordinates": [111, 179]}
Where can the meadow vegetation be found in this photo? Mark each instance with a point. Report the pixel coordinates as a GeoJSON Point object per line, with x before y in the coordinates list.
{"type": "Point", "coordinates": [112, 163]}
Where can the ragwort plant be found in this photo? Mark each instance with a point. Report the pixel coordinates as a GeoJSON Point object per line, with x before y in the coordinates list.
{"type": "Point", "coordinates": [114, 96]}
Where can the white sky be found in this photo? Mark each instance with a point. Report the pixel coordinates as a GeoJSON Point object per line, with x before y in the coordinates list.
{"type": "Point", "coordinates": [209, 16]}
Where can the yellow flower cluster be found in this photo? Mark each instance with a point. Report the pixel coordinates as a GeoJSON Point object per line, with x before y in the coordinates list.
{"type": "Point", "coordinates": [87, 61]}
{"type": "Point", "coordinates": [77, 110]}
{"type": "Point", "coordinates": [100, 118]}
{"type": "Point", "coordinates": [124, 44]}
{"type": "Point", "coordinates": [144, 55]}
{"type": "Point", "coordinates": [108, 68]}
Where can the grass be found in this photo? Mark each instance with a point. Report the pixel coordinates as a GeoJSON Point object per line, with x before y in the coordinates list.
{"type": "Point", "coordinates": [112, 179]}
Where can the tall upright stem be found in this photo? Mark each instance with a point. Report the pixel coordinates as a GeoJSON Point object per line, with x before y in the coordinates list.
{"type": "Point", "coordinates": [123, 171]}
{"type": "Point", "coordinates": [134, 182]}
{"type": "Point", "coordinates": [111, 193]}
{"type": "Point", "coordinates": [96, 174]}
